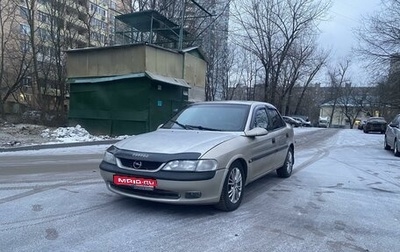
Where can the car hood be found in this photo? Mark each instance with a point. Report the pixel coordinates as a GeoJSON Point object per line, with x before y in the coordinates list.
{"type": "Point", "coordinates": [175, 141]}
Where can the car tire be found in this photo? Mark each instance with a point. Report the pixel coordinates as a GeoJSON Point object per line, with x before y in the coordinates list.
{"type": "Point", "coordinates": [232, 191]}
{"type": "Point", "coordinates": [386, 146]}
{"type": "Point", "coordinates": [396, 148]}
{"type": "Point", "coordinates": [286, 170]}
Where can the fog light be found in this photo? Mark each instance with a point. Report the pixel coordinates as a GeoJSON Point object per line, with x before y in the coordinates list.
{"type": "Point", "coordinates": [192, 195]}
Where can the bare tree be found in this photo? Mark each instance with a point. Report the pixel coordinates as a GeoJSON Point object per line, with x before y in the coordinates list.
{"type": "Point", "coordinates": [14, 62]}
{"type": "Point", "coordinates": [50, 30]}
{"type": "Point", "coordinates": [311, 68]}
{"type": "Point", "coordinates": [61, 33]}
{"type": "Point", "coordinates": [270, 30]}
{"type": "Point", "coordinates": [242, 71]}
{"type": "Point", "coordinates": [338, 79]}
{"type": "Point", "coordinates": [299, 70]}
{"type": "Point", "coordinates": [379, 45]}
{"type": "Point", "coordinates": [352, 102]}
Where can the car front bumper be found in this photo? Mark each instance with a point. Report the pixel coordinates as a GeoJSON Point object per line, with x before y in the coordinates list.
{"type": "Point", "coordinates": [199, 189]}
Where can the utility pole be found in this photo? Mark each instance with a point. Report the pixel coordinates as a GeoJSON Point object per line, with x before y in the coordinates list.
{"type": "Point", "coordinates": [180, 43]}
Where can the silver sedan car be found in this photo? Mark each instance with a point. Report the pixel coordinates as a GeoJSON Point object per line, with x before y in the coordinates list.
{"type": "Point", "coordinates": [206, 154]}
{"type": "Point", "coordinates": [392, 136]}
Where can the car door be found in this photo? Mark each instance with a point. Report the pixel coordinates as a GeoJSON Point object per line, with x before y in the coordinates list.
{"type": "Point", "coordinates": [393, 130]}
{"type": "Point", "coordinates": [262, 147]}
{"type": "Point", "coordinates": [279, 135]}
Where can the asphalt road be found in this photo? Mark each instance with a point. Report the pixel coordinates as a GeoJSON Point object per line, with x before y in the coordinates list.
{"type": "Point", "coordinates": [60, 203]}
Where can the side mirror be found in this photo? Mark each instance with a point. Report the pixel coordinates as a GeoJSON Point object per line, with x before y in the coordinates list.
{"type": "Point", "coordinates": [256, 132]}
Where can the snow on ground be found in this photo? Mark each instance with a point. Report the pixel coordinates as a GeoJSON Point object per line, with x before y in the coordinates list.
{"type": "Point", "coordinates": [27, 135]}
{"type": "Point", "coordinates": [73, 135]}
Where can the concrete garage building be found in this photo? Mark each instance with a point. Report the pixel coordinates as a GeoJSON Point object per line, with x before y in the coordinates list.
{"type": "Point", "coordinates": [131, 89]}
{"type": "Point", "coordinates": [136, 85]}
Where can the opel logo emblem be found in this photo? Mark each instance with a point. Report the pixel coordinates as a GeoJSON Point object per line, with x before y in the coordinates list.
{"type": "Point", "coordinates": [137, 164]}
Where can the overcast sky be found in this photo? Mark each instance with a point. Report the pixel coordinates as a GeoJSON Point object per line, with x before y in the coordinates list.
{"type": "Point", "coordinates": [337, 32]}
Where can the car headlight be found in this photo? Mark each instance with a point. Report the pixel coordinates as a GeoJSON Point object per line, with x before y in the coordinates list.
{"type": "Point", "coordinates": [191, 165]}
{"type": "Point", "coordinates": [109, 155]}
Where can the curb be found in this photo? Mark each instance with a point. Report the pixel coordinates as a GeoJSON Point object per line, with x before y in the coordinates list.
{"type": "Point", "coordinates": [53, 146]}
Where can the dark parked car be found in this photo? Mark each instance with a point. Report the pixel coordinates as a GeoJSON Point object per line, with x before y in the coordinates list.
{"type": "Point", "coordinates": [291, 121]}
{"type": "Point", "coordinates": [205, 154]}
{"type": "Point", "coordinates": [392, 136]}
{"type": "Point", "coordinates": [304, 122]}
{"type": "Point", "coordinates": [375, 124]}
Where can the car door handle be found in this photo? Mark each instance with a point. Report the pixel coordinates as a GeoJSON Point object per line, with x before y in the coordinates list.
{"type": "Point", "coordinates": [273, 140]}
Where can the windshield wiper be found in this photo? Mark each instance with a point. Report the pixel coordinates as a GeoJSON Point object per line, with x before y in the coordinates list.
{"type": "Point", "coordinates": [200, 127]}
{"type": "Point", "coordinates": [180, 124]}
{"type": "Point", "coordinates": [191, 127]}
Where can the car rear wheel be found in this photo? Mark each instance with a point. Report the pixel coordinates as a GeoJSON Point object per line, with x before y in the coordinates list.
{"type": "Point", "coordinates": [286, 170]}
{"type": "Point", "coordinates": [232, 192]}
{"type": "Point", "coordinates": [386, 146]}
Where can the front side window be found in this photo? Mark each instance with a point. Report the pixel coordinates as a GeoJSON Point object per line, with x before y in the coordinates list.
{"type": "Point", "coordinates": [276, 120]}
{"type": "Point", "coordinates": [261, 118]}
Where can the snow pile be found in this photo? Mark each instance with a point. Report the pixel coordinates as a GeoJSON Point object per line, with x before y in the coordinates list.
{"type": "Point", "coordinates": [72, 134]}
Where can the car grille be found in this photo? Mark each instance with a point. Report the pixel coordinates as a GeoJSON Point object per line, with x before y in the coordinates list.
{"type": "Point", "coordinates": [140, 165]}
{"type": "Point", "coordinates": [376, 126]}
{"type": "Point", "coordinates": [156, 193]}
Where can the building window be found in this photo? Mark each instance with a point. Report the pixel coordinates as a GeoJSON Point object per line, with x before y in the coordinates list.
{"type": "Point", "coordinates": [44, 17]}
{"type": "Point", "coordinates": [112, 5]}
{"type": "Point", "coordinates": [98, 24]}
{"type": "Point", "coordinates": [43, 34]}
{"type": "Point", "coordinates": [96, 9]}
{"type": "Point", "coordinates": [25, 46]}
{"type": "Point", "coordinates": [26, 81]}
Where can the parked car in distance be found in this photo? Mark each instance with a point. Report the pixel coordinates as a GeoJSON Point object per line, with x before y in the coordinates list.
{"type": "Point", "coordinates": [304, 122]}
{"type": "Point", "coordinates": [375, 124]}
{"type": "Point", "coordinates": [361, 125]}
{"type": "Point", "coordinates": [291, 121]}
{"type": "Point", "coordinates": [205, 154]}
{"type": "Point", "coordinates": [392, 136]}
{"type": "Point", "coordinates": [323, 122]}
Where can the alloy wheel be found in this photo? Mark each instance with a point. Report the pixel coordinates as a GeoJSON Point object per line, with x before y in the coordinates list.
{"type": "Point", "coordinates": [235, 185]}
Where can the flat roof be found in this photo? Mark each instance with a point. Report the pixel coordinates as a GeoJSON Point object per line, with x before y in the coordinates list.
{"type": "Point", "coordinates": [150, 75]}
{"type": "Point", "coordinates": [151, 20]}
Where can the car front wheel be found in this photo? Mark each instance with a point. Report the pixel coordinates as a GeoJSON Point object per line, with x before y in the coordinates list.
{"type": "Point", "coordinates": [385, 145]}
{"type": "Point", "coordinates": [286, 170]}
{"type": "Point", "coordinates": [232, 192]}
{"type": "Point", "coordinates": [396, 148]}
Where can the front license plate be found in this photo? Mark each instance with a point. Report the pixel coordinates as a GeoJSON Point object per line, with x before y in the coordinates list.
{"type": "Point", "coordinates": [144, 183]}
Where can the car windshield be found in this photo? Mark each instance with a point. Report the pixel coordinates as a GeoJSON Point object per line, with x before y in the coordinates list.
{"type": "Point", "coordinates": [212, 117]}
{"type": "Point", "coordinates": [376, 119]}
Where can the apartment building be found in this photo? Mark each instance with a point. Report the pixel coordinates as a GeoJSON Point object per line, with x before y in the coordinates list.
{"type": "Point", "coordinates": [37, 33]}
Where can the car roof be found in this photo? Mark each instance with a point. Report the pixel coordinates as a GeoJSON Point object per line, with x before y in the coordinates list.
{"type": "Point", "coordinates": [236, 102]}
